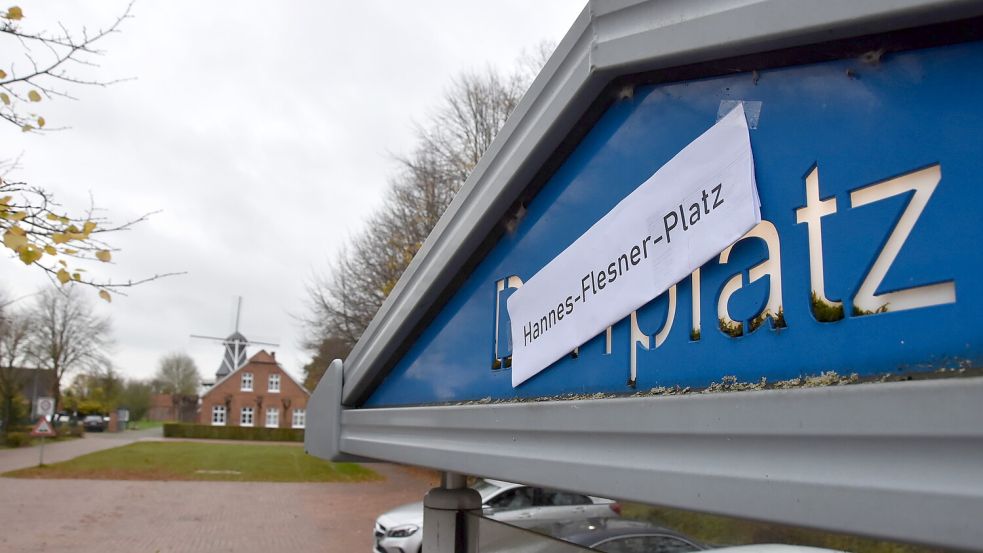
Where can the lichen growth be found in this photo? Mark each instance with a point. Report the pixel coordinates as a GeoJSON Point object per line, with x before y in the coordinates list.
{"type": "Point", "coordinates": [828, 378]}
{"type": "Point", "coordinates": [778, 321]}
{"type": "Point", "coordinates": [732, 329]}
{"type": "Point", "coordinates": [858, 312]}
{"type": "Point", "coordinates": [731, 384]}
{"type": "Point", "coordinates": [824, 311]}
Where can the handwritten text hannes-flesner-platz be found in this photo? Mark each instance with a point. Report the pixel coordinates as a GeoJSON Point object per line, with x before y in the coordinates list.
{"type": "Point", "coordinates": [921, 183]}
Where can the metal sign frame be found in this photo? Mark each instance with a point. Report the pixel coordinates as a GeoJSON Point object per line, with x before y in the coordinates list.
{"type": "Point", "coordinates": [890, 460]}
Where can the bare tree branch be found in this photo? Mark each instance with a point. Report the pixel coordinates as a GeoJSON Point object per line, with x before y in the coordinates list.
{"type": "Point", "coordinates": [19, 89]}
{"type": "Point", "coordinates": [449, 145]}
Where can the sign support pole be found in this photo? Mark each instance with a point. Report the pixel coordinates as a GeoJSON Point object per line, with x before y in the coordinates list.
{"type": "Point", "coordinates": [41, 454]}
{"type": "Point", "coordinates": [445, 524]}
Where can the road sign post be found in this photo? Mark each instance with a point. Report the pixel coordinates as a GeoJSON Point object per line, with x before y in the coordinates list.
{"type": "Point", "coordinates": [827, 358]}
{"type": "Point", "coordinates": [45, 407]}
{"type": "Point", "coordinates": [42, 429]}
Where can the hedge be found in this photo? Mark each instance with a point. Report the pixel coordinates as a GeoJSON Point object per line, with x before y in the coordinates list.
{"type": "Point", "coordinates": [204, 431]}
{"type": "Point", "coordinates": [17, 439]}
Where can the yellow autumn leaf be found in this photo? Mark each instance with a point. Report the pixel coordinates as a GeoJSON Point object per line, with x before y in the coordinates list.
{"type": "Point", "coordinates": [14, 13]}
{"type": "Point", "coordinates": [105, 295]}
{"type": "Point", "coordinates": [40, 122]}
{"type": "Point", "coordinates": [34, 96]}
{"type": "Point", "coordinates": [59, 238]}
{"type": "Point", "coordinates": [51, 217]}
{"type": "Point", "coordinates": [18, 231]}
{"type": "Point", "coordinates": [77, 277]}
{"type": "Point", "coordinates": [27, 128]}
{"type": "Point", "coordinates": [13, 240]}
{"type": "Point", "coordinates": [104, 256]}
{"type": "Point", "coordinates": [50, 250]}
{"type": "Point", "coordinates": [16, 216]}
{"type": "Point", "coordinates": [63, 276]}
{"type": "Point", "coordinates": [69, 251]}
{"type": "Point", "coordinates": [63, 263]}
{"type": "Point", "coordinates": [88, 227]}
{"type": "Point", "coordinates": [4, 98]}
{"type": "Point", "coordinates": [6, 200]}
{"type": "Point", "coordinates": [29, 254]}
{"type": "Point", "coordinates": [3, 74]}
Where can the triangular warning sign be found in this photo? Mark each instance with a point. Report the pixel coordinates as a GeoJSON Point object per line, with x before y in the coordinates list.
{"type": "Point", "coordinates": [43, 428]}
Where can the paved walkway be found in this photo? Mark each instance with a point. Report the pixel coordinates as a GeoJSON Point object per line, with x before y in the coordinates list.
{"type": "Point", "coordinates": [79, 516]}
{"type": "Point", "coordinates": [54, 452]}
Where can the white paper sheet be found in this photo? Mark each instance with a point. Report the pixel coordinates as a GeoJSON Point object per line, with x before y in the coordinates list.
{"type": "Point", "coordinates": [701, 201]}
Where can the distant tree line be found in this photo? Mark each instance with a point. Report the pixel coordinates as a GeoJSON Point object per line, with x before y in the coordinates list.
{"type": "Point", "coordinates": [57, 330]}
{"type": "Point", "coordinates": [449, 144]}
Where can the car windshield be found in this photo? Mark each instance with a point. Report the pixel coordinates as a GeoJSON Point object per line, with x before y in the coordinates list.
{"type": "Point", "coordinates": [485, 489]}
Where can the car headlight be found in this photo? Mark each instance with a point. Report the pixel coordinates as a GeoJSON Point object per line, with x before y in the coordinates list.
{"type": "Point", "coordinates": [403, 531]}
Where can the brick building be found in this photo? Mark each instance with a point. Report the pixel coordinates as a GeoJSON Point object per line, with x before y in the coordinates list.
{"type": "Point", "coordinates": [170, 407]}
{"type": "Point", "coordinates": [260, 393]}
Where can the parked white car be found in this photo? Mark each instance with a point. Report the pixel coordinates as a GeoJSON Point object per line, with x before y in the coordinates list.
{"type": "Point", "coordinates": [401, 529]}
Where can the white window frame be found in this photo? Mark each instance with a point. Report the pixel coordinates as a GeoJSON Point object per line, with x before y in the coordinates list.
{"type": "Point", "coordinates": [274, 414]}
{"type": "Point", "coordinates": [247, 382]}
{"type": "Point", "coordinates": [301, 416]}
{"type": "Point", "coordinates": [218, 415]}
{"type": "Point", "coordinates": [274, 378]}
{"type": "Point", "coordinates": [242, 416]}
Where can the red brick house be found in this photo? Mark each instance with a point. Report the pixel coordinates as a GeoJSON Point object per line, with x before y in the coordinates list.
{"type": "Point", "coordinates": [260, 393]}
{"type": "Point", "coordinates": [169, 407]}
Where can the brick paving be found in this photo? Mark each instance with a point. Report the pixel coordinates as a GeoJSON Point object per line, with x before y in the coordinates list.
{"type": "Point", "coordinates": [80, 516]}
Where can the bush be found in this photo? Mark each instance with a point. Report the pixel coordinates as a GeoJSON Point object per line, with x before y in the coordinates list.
{"type": "Point", "coordinates": [203, 431]}
{"type": "Point", "coordinates": [18, 439]}
{"type": "Point", "coordinates": [71, 431]}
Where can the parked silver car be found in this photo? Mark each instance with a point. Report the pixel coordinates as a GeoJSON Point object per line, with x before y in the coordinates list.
{"type": "Point", "coordinates": [401, 529]}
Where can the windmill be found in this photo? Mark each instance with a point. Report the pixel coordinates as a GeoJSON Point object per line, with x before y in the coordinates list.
{"type": "Point", "coordinates": [235, 346]}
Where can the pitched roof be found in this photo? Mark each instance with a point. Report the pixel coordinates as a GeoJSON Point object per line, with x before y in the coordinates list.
{"type": "Point", "coordinates": [260, 358]}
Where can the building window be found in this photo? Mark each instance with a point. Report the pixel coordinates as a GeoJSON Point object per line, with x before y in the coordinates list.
{"type": "Point", "coordinates": [272, 417]}
{"type": "Point", "coordinates": [299, 417]}
{"type": "Point", "coordinates": [247, 382]}
{"type": "Point", "coordinates": [218, 415]}
{"type": "Point", "coordinates": [246, 417]}
{"type": "Point", "coordinates": [274, 383]}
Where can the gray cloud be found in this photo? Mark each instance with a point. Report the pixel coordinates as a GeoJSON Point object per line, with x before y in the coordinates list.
{"type": "Point", "coordinates": [262, 132]}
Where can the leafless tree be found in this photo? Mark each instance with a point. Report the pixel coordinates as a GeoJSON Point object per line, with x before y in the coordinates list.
{"type": "Point", "coordinates": [449, 145]}
{"type": "Point", "coordinates": [66, 334]}
{"type": "Point", "coordinates": [177, 374]}
{"type": "Point", "coordinates": [14, 332]}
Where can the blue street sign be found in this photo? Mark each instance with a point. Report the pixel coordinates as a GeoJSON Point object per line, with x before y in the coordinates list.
{"type": "Point", "coordinates": [869, 172]}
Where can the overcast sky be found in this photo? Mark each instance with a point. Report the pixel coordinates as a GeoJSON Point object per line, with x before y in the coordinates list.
{"type": "Point", "coordinates": [262, 132]}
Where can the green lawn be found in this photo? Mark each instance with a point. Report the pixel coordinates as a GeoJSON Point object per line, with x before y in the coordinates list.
{"type": "Point", "coordinates": [202, 461]}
